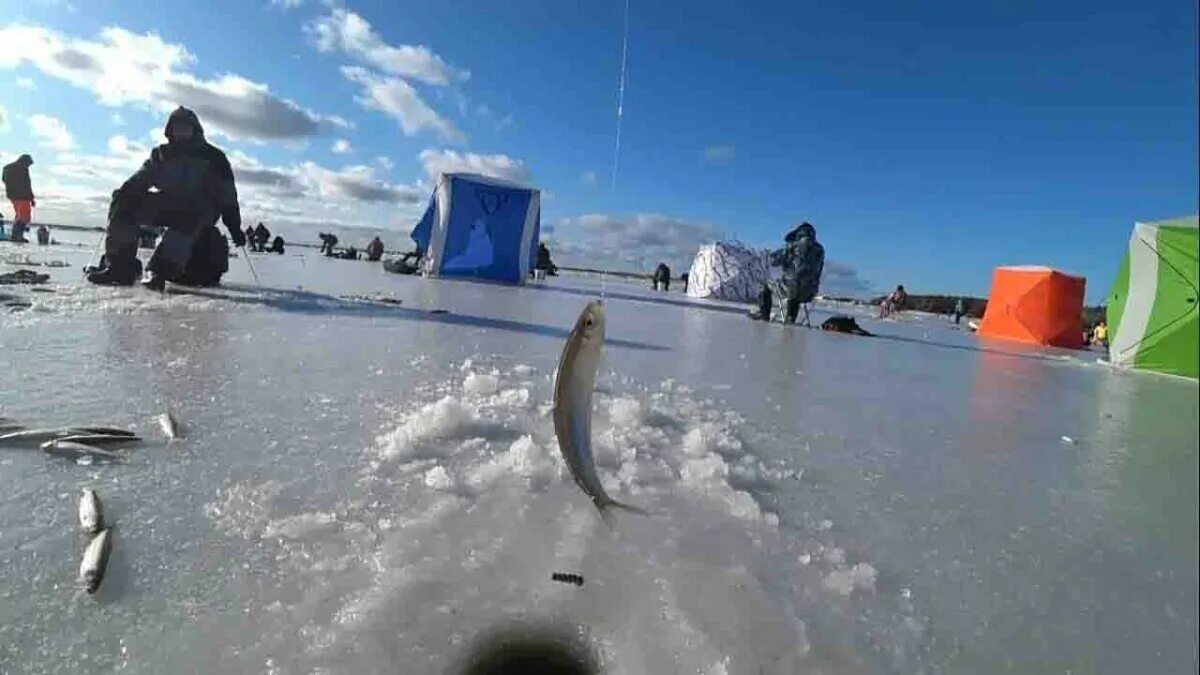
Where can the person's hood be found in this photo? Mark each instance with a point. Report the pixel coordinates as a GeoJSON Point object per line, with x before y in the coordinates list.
{"type": "Point", "coordinates": [800, 232]}
{"type": "Point", "coordinates": [25, 160]}
{"type": "Point", "coordinates": [183, 114]}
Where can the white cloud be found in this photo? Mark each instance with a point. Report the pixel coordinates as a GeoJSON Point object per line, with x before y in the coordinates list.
{"type": "Point", "coordinates": [343, 30]}
{"type": "Point", "coordinates": [287, 4]}
{"type": "Point", "coordinates": [26, 83]}
{"type": "Point", "coordinates": [341, 146]}
{"type": "Point", "coordinates": [4, 123]}
{"type": "Point", "coordinates": [636, 242]}
{"type": "Point", "coordinates": [398, 99]}
{"type": "Point", "coordinates": [589, 178]}
{"type": "Point", "coordinates": [117, 119]}
{"type": "Point", "coordinates": [51, 132]}
{"type": "Point", "coordinates": [437, 162]}
{"type": "Point", "coordinates": [385, 163]}
{"type": "Point", "coordinates": [125, 68]}
{"type": "Point", "coordinates": [720, 154]}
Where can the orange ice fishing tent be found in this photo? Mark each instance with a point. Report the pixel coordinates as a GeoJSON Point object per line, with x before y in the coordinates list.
{"type": "Point", "coordinates": [1037, 305]}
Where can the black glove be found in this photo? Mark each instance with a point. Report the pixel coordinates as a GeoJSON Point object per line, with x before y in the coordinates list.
{"type": "Point", "coordinates": [237, 237]}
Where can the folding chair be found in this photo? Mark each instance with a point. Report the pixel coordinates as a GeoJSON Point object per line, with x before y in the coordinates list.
{"type": "Point", "coordinates": [779, 293]}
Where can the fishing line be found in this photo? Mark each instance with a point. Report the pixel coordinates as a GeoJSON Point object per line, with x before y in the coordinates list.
{"type": "Point", "coordinates": [621, 96]}
{"type": "Point", "coordinates": [95, 248]}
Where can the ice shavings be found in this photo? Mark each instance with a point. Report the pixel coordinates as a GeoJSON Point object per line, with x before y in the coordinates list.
{"type": "Point", "coordinates": [444, 419]}
{"type": "Point", "coordinates": [846, 580]}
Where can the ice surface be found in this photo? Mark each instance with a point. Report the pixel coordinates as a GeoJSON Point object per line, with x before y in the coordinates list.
{"type": "Point", "coordinates": [368, 487]}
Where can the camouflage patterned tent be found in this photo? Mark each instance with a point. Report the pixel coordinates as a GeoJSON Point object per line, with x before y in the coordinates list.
{"type": "Point", "coordinates": [727, 270]}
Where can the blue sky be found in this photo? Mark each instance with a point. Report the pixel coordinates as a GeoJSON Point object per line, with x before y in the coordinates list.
{"type": "Point", "coordinates": [928, 142]}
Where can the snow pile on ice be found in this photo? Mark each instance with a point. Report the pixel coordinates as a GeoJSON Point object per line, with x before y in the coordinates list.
{"type": "Point", "coordinates": [441, 420]}
{"type": "Point", "coordinates": [465, 507]}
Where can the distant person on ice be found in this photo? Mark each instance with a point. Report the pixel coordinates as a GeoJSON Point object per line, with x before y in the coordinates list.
{"type": "Point", "coordinates": [802, 259]}
{"type": "Point", "coordinates": [375, 250]}
{"type": "Point", "coordinates": [261, 236]}
{"type": "Point", "coordinates": [20, 192]}
{"type": "Point", "coordinates": [195, 186]}
{"type": "Point", "coordinates": [662, 277]}
{"type": "Point", "coordinates": [328, 241]}
{"type": "Point", "coordinates": [959, 309]}
{"type": "Point", "coordinates": [277, 245]}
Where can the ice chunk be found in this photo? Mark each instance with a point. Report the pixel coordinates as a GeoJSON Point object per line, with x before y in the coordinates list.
{"type": "Point", "coordinates": [845, 581]}
{"type": "Point", "coordinates": [438, 479]}
{"type": "Point", "coordinates": [300, 525]}
{"type": "Point", "coordinates": [446, 418]}
{"type": "Point", "coordinates": [525, 458]}
{"type": "Point", "coordinates": [835, 556]}
{"type": "Point", "coordinates": [626, 412]}
{"type": "Point", "coordinates": [481, 384]}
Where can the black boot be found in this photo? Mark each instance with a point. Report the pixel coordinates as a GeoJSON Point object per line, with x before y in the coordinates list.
{"type": "Point", "coordinates": [120, 275]}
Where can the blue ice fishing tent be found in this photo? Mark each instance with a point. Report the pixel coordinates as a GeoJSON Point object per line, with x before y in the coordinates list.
{"type": "Point", "coordinates": [478, 227]}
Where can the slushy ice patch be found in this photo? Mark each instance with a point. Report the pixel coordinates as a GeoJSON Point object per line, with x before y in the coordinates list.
{"type": "Point", "coordinates": [464, 509]}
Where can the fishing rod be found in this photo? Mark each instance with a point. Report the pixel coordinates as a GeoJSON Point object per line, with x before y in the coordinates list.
{"type": "Point", "coordinates": [99, 243]}
{"type": "Point", "coordinates": [246, 255]}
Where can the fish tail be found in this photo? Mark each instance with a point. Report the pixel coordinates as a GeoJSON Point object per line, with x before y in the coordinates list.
{"type": "Point", "coordinates": [606, 510]}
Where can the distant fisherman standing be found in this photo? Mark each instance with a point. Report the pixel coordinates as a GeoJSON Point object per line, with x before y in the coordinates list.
{"type": "Point", "coordinates": [195, 186]}
{"type": "Point", "coordinates": [20, 192]}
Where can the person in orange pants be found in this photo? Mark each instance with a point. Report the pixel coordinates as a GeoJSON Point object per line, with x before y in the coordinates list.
{"type": "Point", "coordinates": [20, 193]}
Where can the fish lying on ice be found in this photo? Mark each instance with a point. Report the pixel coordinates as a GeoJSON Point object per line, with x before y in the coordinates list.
{"type": "Point", "coordinates": [169, 425]}
{"type": "Point", "coordinates": [77, 450]}
{"type": "Point", "coordinates": [95, 561]}
{"type": "Point", "coordinates": [107, 431]}
{"type": "Point", "coordinates": [98, 439]}
{"type": "Point", "coordinates": [91, 514]}
{"type": "Point", "coordinates": [32, 436]}
{"type": "Point", "coordinates": [573, 385]}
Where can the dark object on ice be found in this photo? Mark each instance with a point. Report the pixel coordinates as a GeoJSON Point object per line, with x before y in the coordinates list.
{"type": "Point", "coordinates": [529, 649]}
{"type": "Point", "coordinates": [106, 275]}
{"type": "Point", "coordinates": [23, 277]}
{"type": "Point", "coordinates": [544, 262]}
{"type": "Point", "coordinates": [195, 186]}
{"type": "Point", "coordinates": [407, 263]}
{"type": "Point", "coordinates": [844, 324]}
{"type": "Point", "coordinates": [261, 236]}
{"type": "Point", "coordinates": [375, 250]}
{"type": "Point", "coordinates": [349, 253]}
{"type": "Point", "coordinates": [439, 311]}
{"type": "Point", "coordinates": [277, 245]}
{"type": "Point", "coordinates": [765, 302]}
{"type": "Point", "coordinates": [328, 241]}
{"type": "Point", "coordinates": [43, 235]}
{"type": "Point", "coordinates": [684, 278]}
{"type": "Point", "coordinates": [662, 277]}
{"type": "Point", "coordinates": [567, 578]}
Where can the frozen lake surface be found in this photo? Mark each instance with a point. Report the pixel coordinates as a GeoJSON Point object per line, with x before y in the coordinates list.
{"type": "Point", "coordinates": [366, 487]}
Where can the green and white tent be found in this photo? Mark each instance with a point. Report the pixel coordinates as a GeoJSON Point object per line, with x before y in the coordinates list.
{"type": "Point", "coordinates": [1152, 311]}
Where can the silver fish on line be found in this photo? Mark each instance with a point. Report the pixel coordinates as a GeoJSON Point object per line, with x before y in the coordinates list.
{"type": "Point", "coordinates": [574, 383]}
